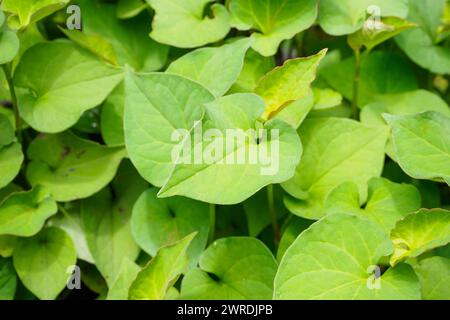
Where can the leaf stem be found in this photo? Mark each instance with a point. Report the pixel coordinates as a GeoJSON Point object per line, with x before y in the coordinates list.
{"type": "Point", "coordinates": [212, 222]}
{"type": "Point", "coordinates": [7, 68]}
{"type": "Point", "coordinates": [273, 213]}
{"type": "Point", "coordinates": [356, 82]}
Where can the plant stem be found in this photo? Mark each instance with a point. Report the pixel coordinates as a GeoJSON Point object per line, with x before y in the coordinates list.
{"type": "Point", "coordinates": [212, 222]}
{"type": "Point", "coordinates": [7, 68]}
{"type": "Point", "coordinates": [356, 81]}
{"type": "Point", "coordinates": [273, 213]}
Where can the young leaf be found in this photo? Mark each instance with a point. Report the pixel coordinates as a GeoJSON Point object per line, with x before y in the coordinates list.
{"type": "Point", "coordinates": [335, 151]}
{"type": "Point", "coordinates": [387, 202]}
{"type": "Point", "coordinates": [24, 214]}
{"type": "Point", "coordinates": [422, 144]}
{"type": "Point", "coordinates": [227, 271]}
{"type": "Point", "coordinates": [8, 280]}
{"type": "Point", "coordinates": [341, 17]}
{"type": "Point", "coordinates": [422, 44]}
{"type": "Point", "coordinates": [420, 232]}
{"type": "Point", "coordinates": [434, 276]}
{"type": "Point", "coordinates": [288, 83]}
{"type": "Point", "coordinates": [71, 168]}
{"type": "Point", "coordinates": [214, 68]}
{"type": "Point", "coordinates": [183, 24]}
{"type": "Point", "coordinates": [105, 220]}
{"type": "Point", "coordinates": [336, 258]}
{"type": "Point", "coordinates": [378, 32]}
{"type": "Point", "coordinates": [67, 81]}
{"type": "Point", "coordinates": [11, 158]}
{"type": "Point", "coordinates": [121, 286]}
{"type": "Point", "coordinates": [156, 105]}
{"type": "Point", "coordinates": [160, 274]}
{"type": "Point", "coordinates": [273, 20]}
{"type": "Point", "coordinates": [129, 38]}
{"type": "Point", "coordinates": [156, 223]}
{"type": "Point", "coordinates": [42, 262]}
{"type": "Point", "coordinates": [25, 12]}
{"type": "Point", "coordinates": [235, 165]}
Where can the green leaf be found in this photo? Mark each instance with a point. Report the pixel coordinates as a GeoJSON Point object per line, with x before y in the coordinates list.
{"type": "Point", "coordinates": [225, 162]}
{"type": "Point", "coordinates": [156, 223]}
{"type": "Point", "coordinates": [227, 271]}
{"type": "Point", "coordinates": [382, 72]}
{"type": "Point", "coordinates": [161, 273]}
{"type": "Point", "coordinates": [378, 32]}
{"type": "Point", "coordinates": [94, 43]}
{"type": "Point", "coordinates": [272, 20]}
{"type": "Point", "coordinates": [25, 12]}
{"type": "Point", "coordinates": [9, 46]}
{"type": "Point", "coordinates": [71, 168]}
{"type": "Point", "coordinates": [8, 279]}
{"type": "Point", "coordinates": [255, 67]}
{"type": "Point", "coordinates": [75, 81]}
{"type": "Point", "coordinates": [6, 131]}
{"type": "Point", "coordinates": [121, 286]}
{"type": "Point", "coordinates": [335, 151]}
{"type": "Point", "coordinates": [407, 103]}
{"type": "Point", "coordinates": [422, 44]}
{"type": "Point", "coordinates": [420, 232]}
{"type": "Point", "coordinates": [129, 8]}
{"type": "Point", "coordinates": [214, 68]}
{"type": "Point", "coordinates": [422, 144]}
{"type": "Point", "coordinates": [129, 38]}
{"type": "Point", "coordinates": [434, 276]}
{"type": "Point", "coordinates": [294, 228]}
{"type": "Point", "coordinates": [387, 202]}
{"type": "Point", "coordinates": [341, 17]}
{"type": "Point", "coordinates": [257, 210]}
{"type": "Point", "coordinates": [326, 98]}
{"type": "Point", "coordinates": [11, 158]}
{"type": "Point", "coordinates": [155, 106]}
{"type": "Point", "coordinates": [105, 220]}
{"type": "Point", "coordinates": [288, 83]}
{"type": "Point", "coordinates": [42, 262]}
{"type": "Point", "coordinates": [335, 259]}
{"type": "Point", "coordinates": [295, 113]}
{"type": "Point", "coordinates": [24, 213]}
{"type": "Point", "coordinates": [111, 121]}
{"type": "Point", "coordinates": [184, 24]}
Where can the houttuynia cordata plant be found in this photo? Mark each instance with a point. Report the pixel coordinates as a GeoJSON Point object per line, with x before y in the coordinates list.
{"type": "Point", "coordinates": [212, 149]}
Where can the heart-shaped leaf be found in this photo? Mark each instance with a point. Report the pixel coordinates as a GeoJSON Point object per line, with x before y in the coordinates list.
{"type": "Point", "coordinates": [75, 81]}
{"type": "Point", "coordinates": [233, 151]}
{"type": "Point", "coordinates": [184, 24]}
{"type": "Point", "coordinates": [24, 213]}
{"type": "Point", "coordinates": [337, 258]}
{"type": "Point", "coordinates": [42, 262]}
{"type": "Point", "coordinates": [273, 20]}
{"type": "Point", "coordinates": [335, 151]}
{"type": "Point", "coordinates": [70, 167]}
{"type": "Point", "coordinates": [11, 158]}
{"type": "Point", "coordinates": [434, 276]}
{"type": "Point", "coordinates": [9, 46]}
{"type": "Point", "coordinates": [227, 272]}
